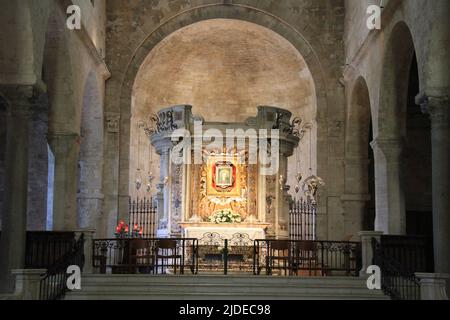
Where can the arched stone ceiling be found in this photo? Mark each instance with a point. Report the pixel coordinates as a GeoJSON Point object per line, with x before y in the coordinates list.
{"type": "Point", "coordinates": [224, 68]}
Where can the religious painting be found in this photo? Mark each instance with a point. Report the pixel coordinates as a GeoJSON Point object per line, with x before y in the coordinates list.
{"type": "Point", "coordinates": [223, 177]}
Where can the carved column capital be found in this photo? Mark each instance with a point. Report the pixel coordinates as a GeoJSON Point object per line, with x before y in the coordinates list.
{"type": "Point", "coordinates": [112, 122]}
{"type": "Point", "coordinates": [62, 143]}
{"type": "Point", "coordinates": [21, 99]}
{"type": "Point", "coordinates": [437, 107]}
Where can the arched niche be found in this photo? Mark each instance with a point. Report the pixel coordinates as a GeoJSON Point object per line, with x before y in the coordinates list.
{"type": "Point", "coordinates": [225, 78]}
{"type": "Point", "coordinates": [395, 160]}
{"type": "Point", "coordinates": [220, 11]}
{"type": "Point", "coordinates": [359, 194]}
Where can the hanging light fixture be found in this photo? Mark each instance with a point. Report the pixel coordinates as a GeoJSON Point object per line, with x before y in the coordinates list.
{"type": "Point", "coordinates": [313, 183]}
{"type": "Point", "coordinates": [298, 176]}
{"type": "Point", "coordinates": [150, 175]}
{"type": "Point", "coordinates": [138, 182]}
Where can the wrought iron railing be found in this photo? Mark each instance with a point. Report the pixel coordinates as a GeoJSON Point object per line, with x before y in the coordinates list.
{"type": "Point", "coordinates": [143, 213]}
{"type": "Point", "coordinates": [412, 253]}
{"type": "Point", "coordinates": [145, 256]}
{"type": "Point", "coordinates": [302, 220]}
{"type": "Point", "coordinates": [397, 280]}
{"type": "Point", "coordinates": [44, 249]}
{"type": "Point", "coordinates": [53, 285]}
{"type": "Point", "coordinates": [306, 258]}
{"type": "Point", "coordinates": [219, 254]}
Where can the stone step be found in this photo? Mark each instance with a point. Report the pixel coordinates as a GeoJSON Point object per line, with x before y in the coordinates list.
{"type": "Point", "coordinates": [145, 287]}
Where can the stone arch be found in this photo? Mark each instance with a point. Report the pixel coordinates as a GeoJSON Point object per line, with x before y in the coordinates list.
{"type": "Point", "coordinates": [391, 137]}
{"type": "Point", "coordinates": [358, 120]}
{"type": "Point", "coordinates": [90, 194]}
{"type": "Point", "coordinates": [397, 61]}
{"type": "Point", "coordinates": [358, 160]}
{"type": "Point", "coordinates": [23, 41]}
{"type": "Point", "coordinates": [219, 73]}
{"type": "Point", "coordinates": [207, 12]}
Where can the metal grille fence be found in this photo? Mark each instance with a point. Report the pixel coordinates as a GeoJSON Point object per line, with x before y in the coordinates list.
{"type": "Point", "coordinates": [143, 213]}
{"type": "Point", "coordinates": [302, 216]}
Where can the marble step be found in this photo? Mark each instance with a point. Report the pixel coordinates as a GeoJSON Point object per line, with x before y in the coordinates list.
{"type": "Point", "coordinates": [135, 287]}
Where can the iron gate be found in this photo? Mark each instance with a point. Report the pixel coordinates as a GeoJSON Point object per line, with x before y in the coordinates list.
{"type": "Point", "coordinates": [303, 220]}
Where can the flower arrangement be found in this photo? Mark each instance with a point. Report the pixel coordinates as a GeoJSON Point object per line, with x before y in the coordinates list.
{"type": "Point", "coordinates": [225, 216]}
{"type": "Point", "coordinates": [123, 231]}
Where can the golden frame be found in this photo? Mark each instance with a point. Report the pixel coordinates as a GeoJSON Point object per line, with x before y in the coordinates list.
{"type": "Point", "coordinates": [232, 186]}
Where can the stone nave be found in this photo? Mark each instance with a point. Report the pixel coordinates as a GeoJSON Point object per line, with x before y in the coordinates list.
{"type": "Point", "coordinates": [218, 149]}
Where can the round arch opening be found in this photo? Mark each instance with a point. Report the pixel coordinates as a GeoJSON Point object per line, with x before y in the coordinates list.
{"type": "Point", "coordinates": [225, 69]}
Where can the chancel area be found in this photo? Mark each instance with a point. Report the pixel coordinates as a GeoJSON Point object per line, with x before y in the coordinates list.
{"type": "Point", "coordinates": [221, 150]}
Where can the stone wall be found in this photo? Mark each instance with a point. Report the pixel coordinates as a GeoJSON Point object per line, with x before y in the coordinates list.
{"type": "Point", "coordinates": [38, 170]}
{"type": "Point", "coordinates": [36, 39]}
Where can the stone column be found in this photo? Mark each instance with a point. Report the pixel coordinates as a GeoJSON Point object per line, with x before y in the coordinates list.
{"type": "Point", "coordinates": [367, 250]}
{"type": "Point", "coordinates": [13, 239]}
{"type": "Point", "coordinates": [3, 128]}
{"type": "Point", "coordinates": [88, 249]}
{"type": "Point", "coordinates": [283, 197]}
{"type": "Point", "coordinates": [439, 109]}
{"type": "Point", "coordinates": [90, 194]}
{"type": "Point", "coordinates": [433, 286]}
{"type": "Point", "coordinates": [165, 183]}
{"type": "Point", "coordinates": [90, 207]}
{"type": "Point", "coordinates": [65, 147]}
{"type": "Point", "coordinates": [160, 201]}
{"type": "Point", "coordinates": [110, 209]}
{"type": "Point", "coordinates": [355, 209]}
{"type": "Point", "coordinates": [38, 168]}
{"type": "Point", "coordinates": [390, 199]}
{"type": "Point", "coordinates": [356, 195]}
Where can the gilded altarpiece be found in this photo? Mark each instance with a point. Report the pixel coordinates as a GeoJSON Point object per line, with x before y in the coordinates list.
{"type": "Point", "coordinates": [225, 180]}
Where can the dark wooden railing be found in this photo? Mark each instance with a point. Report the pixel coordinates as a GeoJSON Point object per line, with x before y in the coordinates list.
{"type": "Point", "coordinates": [143, 213]}
{"type": "Point", "coordinates": [302, 220]}
{"type": "Point", "coordinates": [306, 258]}
{"type": "Point", "coordinates": [53, 285]}
{"type": "Point", "coordinates": [397, 279]}
{"type": "Point", "coordinates": [145, 256]}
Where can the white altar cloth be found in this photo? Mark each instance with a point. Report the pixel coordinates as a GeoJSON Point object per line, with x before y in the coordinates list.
{"type": "Point", "coordinates": [253, 233]}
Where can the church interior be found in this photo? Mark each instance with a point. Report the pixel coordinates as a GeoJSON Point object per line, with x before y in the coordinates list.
{"type": "Point", "coordinates": [164, 148]}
